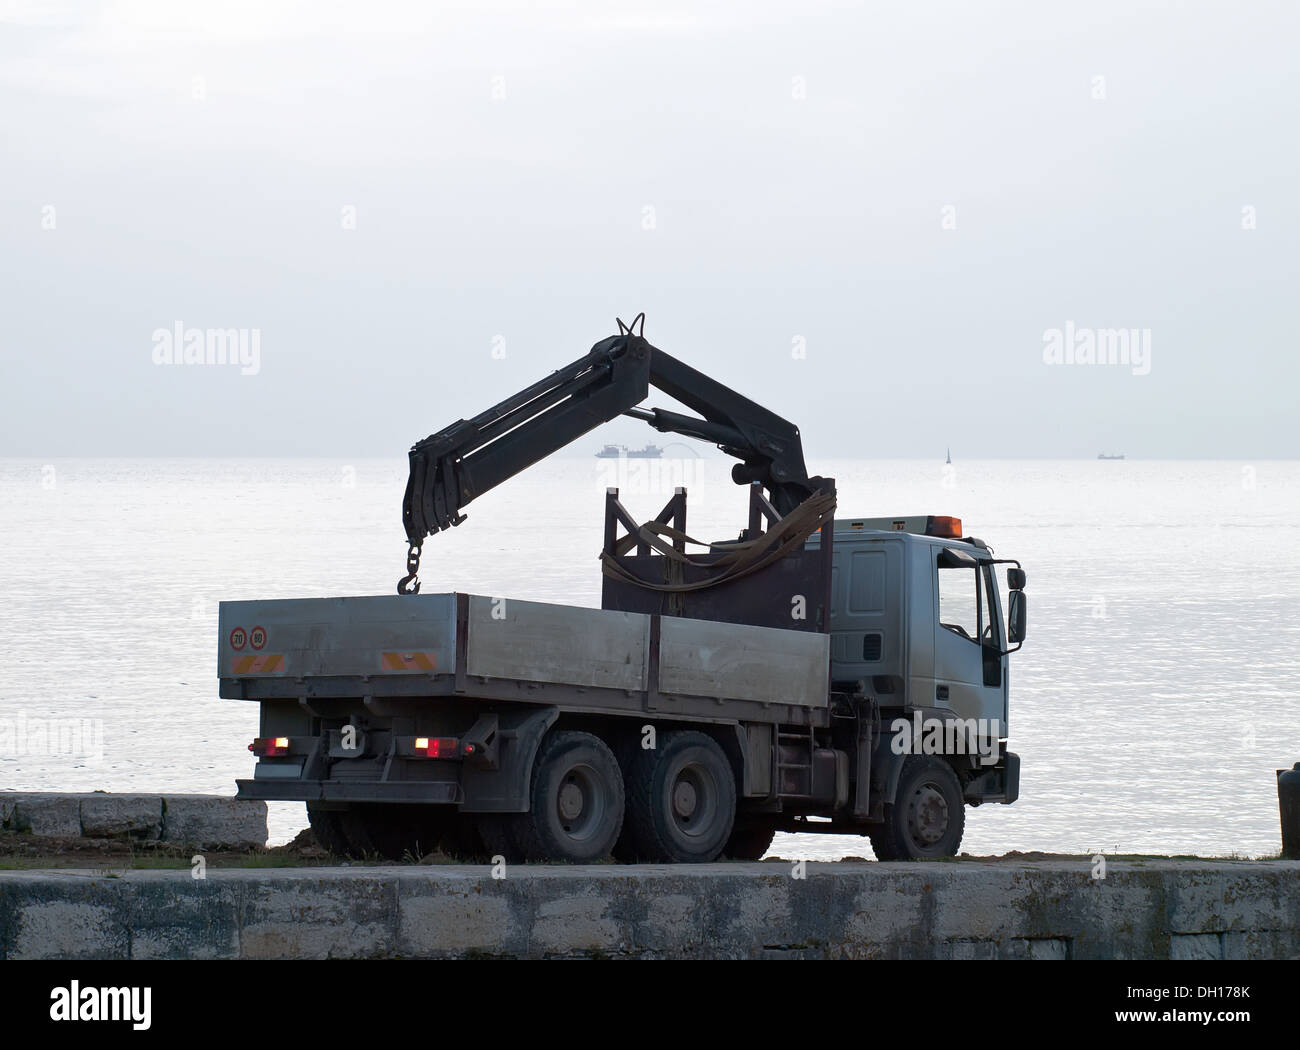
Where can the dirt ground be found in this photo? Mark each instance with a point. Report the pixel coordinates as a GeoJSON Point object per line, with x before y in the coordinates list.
{"type": "Point", "coordinates": [19, 851]}
{"type": "Point", "coordinates": [30, 851]}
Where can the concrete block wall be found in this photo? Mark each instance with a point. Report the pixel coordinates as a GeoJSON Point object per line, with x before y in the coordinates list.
{"type": "Point", "coordinates": [197, 820]}
{"type": "Point", "coordinates": [956, 910]}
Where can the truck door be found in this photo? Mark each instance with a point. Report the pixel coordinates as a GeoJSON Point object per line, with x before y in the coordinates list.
{"type": "Point", "coordinates": [968, 665]}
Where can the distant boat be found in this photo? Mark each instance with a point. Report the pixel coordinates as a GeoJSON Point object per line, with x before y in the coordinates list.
{"type": "Point", "coordinates": [621, 451]}
{"type": "Point", "coordinates": [949, 463]}
{"type": "Point", "coordinates": [1102, 455]}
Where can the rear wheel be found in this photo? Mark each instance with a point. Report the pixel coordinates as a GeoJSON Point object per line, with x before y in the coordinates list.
{"type": "Point", "coordinates": [327, 826]}
{"type": "Point", "coordinates": [682, 800]}
{"type": "Point", "coordinates": [576, 802]}
{"type": "Point", "coordinates": [464, 838]}
{"type": "Point", "coordinates": [395, 831]}
{"type": "Point", "coordinates": [928, 814]}
{"type": "Point", "coordinates": [356, 830]}
{"type": "Point", "coordinates": [496, 837]}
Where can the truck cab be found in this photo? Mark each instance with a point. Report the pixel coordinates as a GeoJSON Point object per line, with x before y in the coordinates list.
{"type": "Point", "coordinates": [917, 625]}
{"type": "Point", "coordinates": [918, 617]}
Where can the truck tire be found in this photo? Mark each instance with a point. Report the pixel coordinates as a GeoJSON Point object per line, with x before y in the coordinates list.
{"type": "Point", "coordinates": [356, 832]}
{"type": "Point", "coordinates": [496, 837]}
{"type": "Point", "coordinates": [395, 831]}
{"type": "Point", "coordinates": [464, 838]}
{"type": "Point", "coordinates": [928, 815]}
{"type": "Point", "coordinates": [749, 840]}
{"type": "Point", "coordinates": [327, 826]}
{"type": "Point", "coordinates": [682, 800]}
{"type": "Point", "coordinates": [576, 801]}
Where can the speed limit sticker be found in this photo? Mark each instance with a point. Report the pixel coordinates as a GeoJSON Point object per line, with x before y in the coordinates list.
{"type": "Point", "coordinates": [257, 637]}
{"type": "Point", "coordinates": [239, 638]}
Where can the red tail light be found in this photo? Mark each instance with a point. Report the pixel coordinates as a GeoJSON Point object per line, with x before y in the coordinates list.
{"type": "Point", "coordinates": [270, 746]}
{"type": "Point", "coordinates": [437, 747]}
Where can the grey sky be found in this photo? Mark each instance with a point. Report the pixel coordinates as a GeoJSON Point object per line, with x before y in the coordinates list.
{"type": "Point", "coordinates": [798, 159]}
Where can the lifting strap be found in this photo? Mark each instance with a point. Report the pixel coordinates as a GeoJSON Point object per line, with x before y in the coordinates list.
{"type": "Point", "coordinates": [738, 558]}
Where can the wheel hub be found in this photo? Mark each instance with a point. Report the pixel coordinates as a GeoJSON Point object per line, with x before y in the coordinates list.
{"type": "Point", "coordinates": [685, 799]}
{"type": "Point", "coordinates": [570, 801]}
{"type": "Point", "coordinates": [928, 815]}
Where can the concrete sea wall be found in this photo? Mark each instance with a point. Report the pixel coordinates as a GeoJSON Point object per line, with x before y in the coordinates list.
{"type": "Point", "coordinates": [955, 910]}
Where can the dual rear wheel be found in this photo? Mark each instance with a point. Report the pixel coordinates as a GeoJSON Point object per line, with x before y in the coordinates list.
{"type": "Point", "coordinates": [681, 801]}
{"type": "Point", "coordinates": [393, 831]}
{"type": "Point", "coordinates": [576, 803]}
{"type": "Point", "coordinates": [675, 803]}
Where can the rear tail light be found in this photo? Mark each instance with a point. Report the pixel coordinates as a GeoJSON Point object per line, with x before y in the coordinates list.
{"type": "Point", "coordinates": [270, 746]}
{"type": "Point", "coordinates": [437, 747]}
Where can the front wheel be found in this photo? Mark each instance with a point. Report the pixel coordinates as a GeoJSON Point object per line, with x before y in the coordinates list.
{"type": "Point", "coordinates": [927, 817]}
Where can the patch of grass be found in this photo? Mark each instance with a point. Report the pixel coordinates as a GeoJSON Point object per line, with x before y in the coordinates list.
{"type": "Point", "coordinates": [276, 860]}
{"type": "Point", "coordinates": [147, 862]}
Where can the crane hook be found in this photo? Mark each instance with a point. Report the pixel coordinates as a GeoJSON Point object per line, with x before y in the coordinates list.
{"type": "Point", "coordinates": [408, 584]}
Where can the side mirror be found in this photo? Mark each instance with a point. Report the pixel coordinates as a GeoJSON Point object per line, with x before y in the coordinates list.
{"type": "Point", "coordinates": [1016, 616]}
{"type": "Point", "coordinates": [1015, 579]}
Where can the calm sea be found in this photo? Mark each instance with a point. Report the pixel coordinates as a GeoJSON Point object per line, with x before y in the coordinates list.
{"type": "Point", "coordinates": [1151, 705]}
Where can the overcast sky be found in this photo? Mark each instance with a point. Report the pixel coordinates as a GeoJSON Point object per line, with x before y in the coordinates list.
{"type": "Point", "coordinates": [868, 217]}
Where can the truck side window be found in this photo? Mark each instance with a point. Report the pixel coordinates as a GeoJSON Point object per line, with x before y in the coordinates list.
{"type": "Point", "coordinates": [990, 623]}
{"type": "Point", "coordinates": [959, 600]}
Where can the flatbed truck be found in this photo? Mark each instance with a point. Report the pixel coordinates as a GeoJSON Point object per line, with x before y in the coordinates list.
{"type": "Point", "coordinates": [817, 674]}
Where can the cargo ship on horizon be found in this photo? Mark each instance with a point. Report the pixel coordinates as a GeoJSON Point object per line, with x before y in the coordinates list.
{"type": "Point", "coordinates": [620, 451]}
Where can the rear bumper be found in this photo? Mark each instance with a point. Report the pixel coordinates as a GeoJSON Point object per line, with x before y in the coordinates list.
{"type": "Point", "coordinates": [447, 792]}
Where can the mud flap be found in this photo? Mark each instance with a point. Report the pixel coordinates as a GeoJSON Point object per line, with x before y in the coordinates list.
{"type": "Point", "coordinates": [506, 788]}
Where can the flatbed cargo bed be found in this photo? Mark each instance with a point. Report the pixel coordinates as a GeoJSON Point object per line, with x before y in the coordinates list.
{"type": "Point", "coordinates": [474, 646]}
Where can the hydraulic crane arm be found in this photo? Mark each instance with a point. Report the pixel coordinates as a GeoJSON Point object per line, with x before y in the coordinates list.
{"type": "Point", "coordinates": [451, 468]}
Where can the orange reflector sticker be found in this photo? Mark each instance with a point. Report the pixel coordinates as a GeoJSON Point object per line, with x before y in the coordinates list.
{"type": "Point", "coordinates": [259, 663]}
{"type": "Point", "coordinates": [423, 661]}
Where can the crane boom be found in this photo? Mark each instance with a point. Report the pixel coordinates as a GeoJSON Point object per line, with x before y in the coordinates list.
{"type": "Point", "coordinates": [451, 468]}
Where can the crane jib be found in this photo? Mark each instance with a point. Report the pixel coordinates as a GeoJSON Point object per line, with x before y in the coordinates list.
{"type": "Point", "coordinates": [452, 467]}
